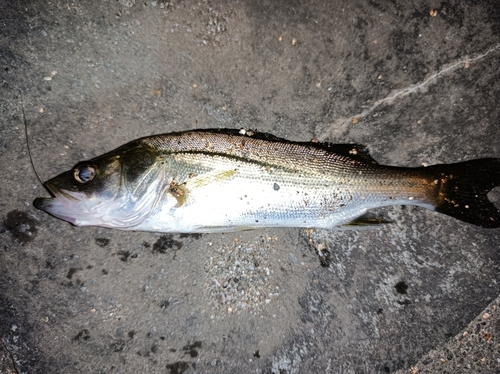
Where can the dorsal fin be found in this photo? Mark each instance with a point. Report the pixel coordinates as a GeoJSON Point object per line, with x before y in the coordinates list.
{"type": "Point", "coordinates": [356, 152]}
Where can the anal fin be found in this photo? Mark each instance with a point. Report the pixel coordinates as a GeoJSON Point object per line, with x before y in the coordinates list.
{"type": "Point", "coordinates": [366, 221]}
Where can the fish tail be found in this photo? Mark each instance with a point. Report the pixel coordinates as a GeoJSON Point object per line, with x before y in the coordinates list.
{"type": "Point", "coordinates": [463, 189]}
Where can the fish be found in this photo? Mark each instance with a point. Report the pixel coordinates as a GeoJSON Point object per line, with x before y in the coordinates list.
{"type": "Point", "coordinates": [221, 180]}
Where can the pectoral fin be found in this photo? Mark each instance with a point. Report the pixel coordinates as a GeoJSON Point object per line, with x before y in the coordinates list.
{"type": "Point", "coordinates": [202, 180]}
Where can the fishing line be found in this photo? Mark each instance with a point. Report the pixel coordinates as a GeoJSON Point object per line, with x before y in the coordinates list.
{"type": "Point", "coordinates": [28, 140]}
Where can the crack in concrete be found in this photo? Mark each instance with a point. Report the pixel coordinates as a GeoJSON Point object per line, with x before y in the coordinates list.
{"type": "Point", "coordinates": [7, 360]}
{"type": "Point", "coordinates": [341, 123]}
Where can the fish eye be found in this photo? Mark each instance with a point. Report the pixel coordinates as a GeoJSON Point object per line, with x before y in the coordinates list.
{"type": "Point", "coordinates": [85, 174]}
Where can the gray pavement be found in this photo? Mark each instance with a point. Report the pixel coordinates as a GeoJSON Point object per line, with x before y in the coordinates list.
{"type": "Point", "coordinates": [418, 82]}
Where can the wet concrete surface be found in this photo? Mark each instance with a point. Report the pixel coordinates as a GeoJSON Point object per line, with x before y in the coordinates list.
{"type": "Point", "coordinates": [417, 82]}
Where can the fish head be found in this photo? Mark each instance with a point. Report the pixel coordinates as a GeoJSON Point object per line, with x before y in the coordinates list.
{"type": "Point", "coordinates": [117, 190]}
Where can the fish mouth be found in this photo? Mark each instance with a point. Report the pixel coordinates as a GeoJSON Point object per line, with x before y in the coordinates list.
{"type": "Point", "coordinates": [56, 205]}
{"type": "Point", "coordinates": [43, 202]}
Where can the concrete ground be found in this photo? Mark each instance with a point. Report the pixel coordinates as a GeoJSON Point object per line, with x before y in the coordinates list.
{"type": "Point", "coordinates": [415, 81]}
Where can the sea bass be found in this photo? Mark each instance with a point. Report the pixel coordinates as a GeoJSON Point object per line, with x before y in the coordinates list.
{"type": "Point", "coordinates": [225, 180]}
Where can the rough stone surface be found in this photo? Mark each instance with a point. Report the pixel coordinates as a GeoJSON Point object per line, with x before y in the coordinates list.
{"type": "Point", "coordinates": [417, 82]}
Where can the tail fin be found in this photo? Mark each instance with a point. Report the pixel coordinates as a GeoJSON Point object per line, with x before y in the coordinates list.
{"type": "Point", "coordinates": [463, 189]}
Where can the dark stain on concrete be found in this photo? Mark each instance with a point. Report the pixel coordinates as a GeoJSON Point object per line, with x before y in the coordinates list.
{"type": "Point", "coordinates": [191, 349]}
{"type": "Point", "coordinates": [123, 255]}
{"type": "Point", "coordinates": [102, 242]}
{"type": "Point", "coordinates": [118, 346]}
{"type": "Point", "coordinates": [82, 335]}
{"type": "Point", "coordinates": [21, 226]}
{"type": "Point", "coordinates": [71, 272]}
{"type": "Point", "coordinates": [178, 367]}
{"type": "Point", "coordinates": [165, 243]}
{"type": "Point", "coordinates": [401, 287]}
{"type": "Point", "coordinates": [193, 236]}
{"type": "Point", "coordinates": [324, 258]}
